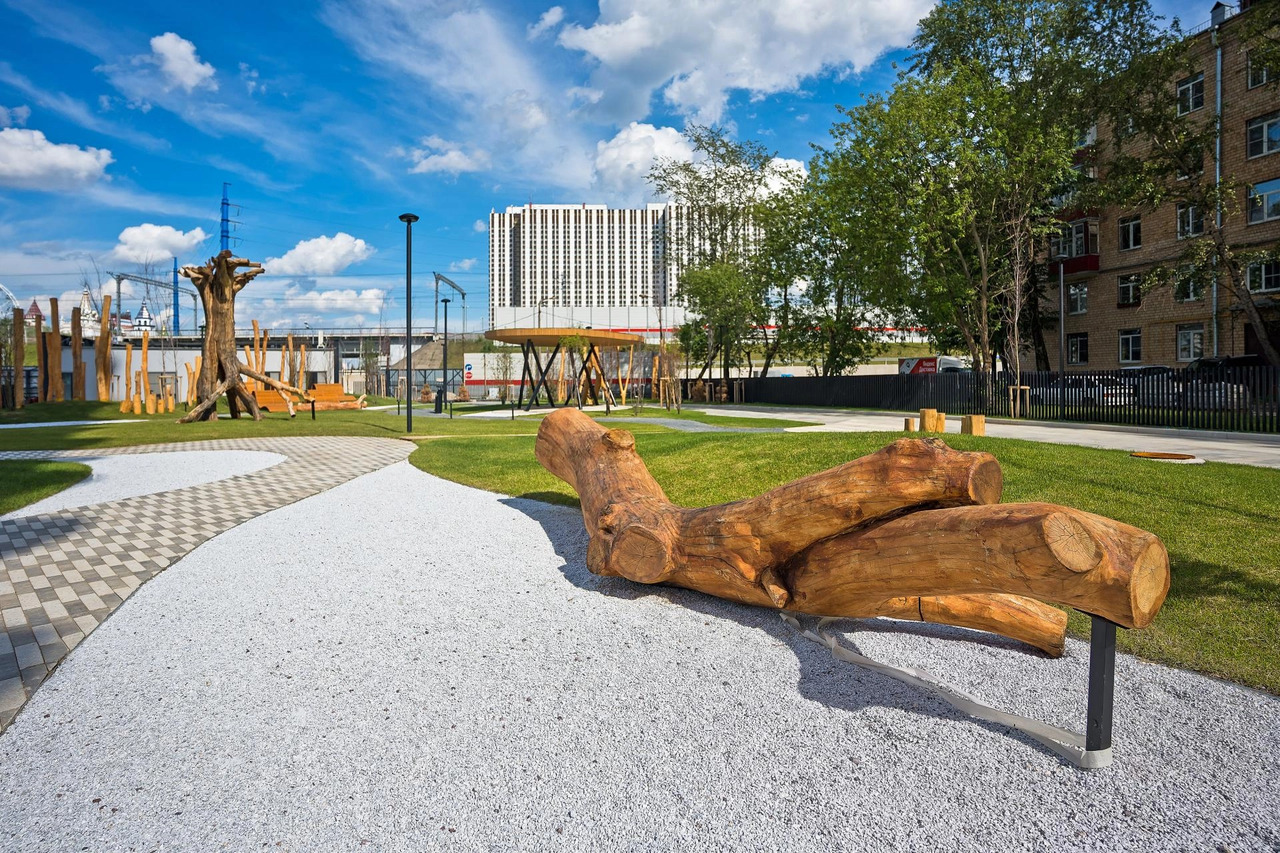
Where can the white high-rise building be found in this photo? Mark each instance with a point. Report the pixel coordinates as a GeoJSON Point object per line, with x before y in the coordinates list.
{"type": "Point", "coordinates": [584, 265]}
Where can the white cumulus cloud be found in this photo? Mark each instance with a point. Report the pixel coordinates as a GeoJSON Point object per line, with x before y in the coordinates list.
{"type": "Point", "coordinates": [623, 161]}
{"type": "Point", "coordinates": [144, 243]}
{"type": "Point", "coordinates": [440, 155]}
{"type": "Point", "coordinates": [176, 57]}
{"type": "Point", "coordinates": [464, 265]}
{"type": "Point", "coordinates": [30, 161]}
{"type": "Point", "coordinates": [706, 50]}
{"type": "Point", "coordinates": [321, 256]}
{"type": "Point", "coordinates": [325, 302]}
{"type": "Point", "coordinates": [480, 226]}
{"type": "Point", "coordinates": [14, 116]}
{"type": "Point", "coordinates": [784, 172]}
{"type": "Point", "coordinates": [549, 21]}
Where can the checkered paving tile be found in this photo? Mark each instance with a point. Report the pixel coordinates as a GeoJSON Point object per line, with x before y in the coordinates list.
{"type": "Point", "coordinates": [62, 573]}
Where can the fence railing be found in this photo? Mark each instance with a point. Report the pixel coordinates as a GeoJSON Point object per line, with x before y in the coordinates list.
{"type": "Point", "coordinates": [1242, 399]}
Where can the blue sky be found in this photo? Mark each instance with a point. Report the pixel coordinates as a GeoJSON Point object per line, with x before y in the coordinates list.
{"type": "Point", "coordinates": [120, 121]}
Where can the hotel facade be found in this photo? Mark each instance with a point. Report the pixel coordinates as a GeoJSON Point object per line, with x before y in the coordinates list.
{"type": "Point", "coordinates": [585, 265]}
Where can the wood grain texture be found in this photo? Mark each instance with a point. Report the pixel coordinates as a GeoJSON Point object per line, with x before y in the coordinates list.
{"type": "Point", "coordinates": [914, 522]}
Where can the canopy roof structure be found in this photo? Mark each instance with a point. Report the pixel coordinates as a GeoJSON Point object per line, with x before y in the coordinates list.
{"type": "Point", "coordinates": [551, 336]}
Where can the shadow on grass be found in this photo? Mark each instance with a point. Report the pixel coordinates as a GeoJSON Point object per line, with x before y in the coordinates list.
{"type": "Point", "coordinates": [1194, 578]}
{"type": "Point", "coordinates": [823, 680]}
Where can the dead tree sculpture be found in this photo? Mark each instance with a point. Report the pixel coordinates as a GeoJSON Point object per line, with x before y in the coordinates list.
{"type": "Point", "coordinates": [913, 531]}
{"type": "Point", "coordinates": [218, 282]}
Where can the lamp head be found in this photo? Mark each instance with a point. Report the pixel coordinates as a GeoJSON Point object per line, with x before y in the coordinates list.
{"type": "Point", "coordinates": [409, 217]}
{"type": "Point", "coordinates": [446, 300]}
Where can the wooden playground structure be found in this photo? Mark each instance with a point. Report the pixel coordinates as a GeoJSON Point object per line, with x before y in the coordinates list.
{"type": "Point", "coordinates": [573, 370]}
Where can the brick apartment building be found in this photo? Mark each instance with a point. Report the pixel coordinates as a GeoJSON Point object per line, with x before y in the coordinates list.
{"type": "Point", "coordinates": [1110, 322]}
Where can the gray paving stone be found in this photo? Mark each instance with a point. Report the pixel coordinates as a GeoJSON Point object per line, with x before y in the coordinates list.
{"type": "Point", "coordinates": [86, 561]}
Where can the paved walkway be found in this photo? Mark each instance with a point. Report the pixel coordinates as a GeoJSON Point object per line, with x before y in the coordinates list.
{"type": "Point", "coordinates": [64, 572]}
{"type": "Point", "coordinates": [1241, 448]}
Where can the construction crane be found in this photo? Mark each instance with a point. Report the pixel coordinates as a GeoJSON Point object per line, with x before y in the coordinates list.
{"type": "Point", "coordinates": [155, 282]}
{"type": "Point", "coordinates": [461, 292]}
{"type": "Point", "coordinates": [13, 300]}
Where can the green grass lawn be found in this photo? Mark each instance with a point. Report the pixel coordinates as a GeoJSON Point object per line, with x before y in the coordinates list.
{"type": "Point", "coordinates": [29, 480]}
{"type": "Point", "coordinates": [1218, 521]}
{"type": "Point", "coordinates": [700, 417]}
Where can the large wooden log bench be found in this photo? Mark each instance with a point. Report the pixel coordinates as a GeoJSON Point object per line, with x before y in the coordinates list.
{"type": "Point", "coordinates": [913, 531]}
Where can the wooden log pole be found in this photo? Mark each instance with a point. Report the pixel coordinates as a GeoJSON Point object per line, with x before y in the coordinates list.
{"type": "Point", "coordinates": [137, 393]}
{"type": "Point", "coordinates": [908, 424]}
{"type": "Point", "coordinates": [126, 400]}
{"type": "Point", "coordinates": [19, 359]}
{"type": "Point", "coordinates": [1025, 619]}
{"type": "Point", "coordinates": [77, 355]}
{"type": "Point", "coordinates": [46, 394]}
{"type": "Point", "coordinates": [102, 351]}
{"type": "Point", "coordinates": [1044, 551]}
{"type": "Point", "coordinates": [302, 372]}
{"type": "Point", "coordinates": [915, 520]}
{"type": "Point", "coordinates": [145, 375]}
{"type": "Point", "coordinates": [53, 354]}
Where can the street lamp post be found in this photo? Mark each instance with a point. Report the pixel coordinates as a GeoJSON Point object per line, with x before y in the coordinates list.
{"type": "Point", "coordinates": [1061, 258]}
{"type": "Point", "coordinates": [408, 219]}
{"type": "Point", "coordinates": [445, 357]}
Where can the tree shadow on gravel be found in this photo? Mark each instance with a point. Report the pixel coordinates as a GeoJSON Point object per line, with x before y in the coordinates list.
{"type": "Point", "coordinates": [822, 679]}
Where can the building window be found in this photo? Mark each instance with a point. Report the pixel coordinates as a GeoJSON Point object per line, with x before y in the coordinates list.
{"type": "Point", "coordinates": [1186, 285]}
{"type": "Point", "coordinates": [1263, 278]}
{"type": "Point", "coordinates": [1128, 291]}
{"type": "Point", "coordinates": [1078, 348]}
{"type": "Point", "coordinates": [1263, 135]}
{"type": "Point", "coordinates": [1075, 239]}
{"type": "Point", "coordinates": [1077, 298]}
{"type": "Point", "coordinates": [1190, 94]}
{"type": "Point", "coordinates": [1264, 201]}
{"type": "Point", "coordinates": [1130, 345]}
{"type": "Point", "coordinates": [1190, 222]}
{"type": "Point", "coordinates": [1130, 233]}
{"type": "Point", "coordinates": [1259, 75]}
{"type": "Point", "coordinates": [1190, 341]}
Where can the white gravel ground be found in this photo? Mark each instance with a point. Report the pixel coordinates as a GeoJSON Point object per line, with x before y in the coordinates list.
{"type": "Point", "coordinates": [130, 475]}
{"type": "Point", "coordinates": [434, 668]}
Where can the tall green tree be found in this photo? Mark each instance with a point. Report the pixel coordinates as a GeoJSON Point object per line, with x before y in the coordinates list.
{"type": "Point", "coordinates": [715, 238]}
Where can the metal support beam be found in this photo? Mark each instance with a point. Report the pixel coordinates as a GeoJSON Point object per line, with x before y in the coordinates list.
{"type": "Point", "coordinates": [1102, 680]}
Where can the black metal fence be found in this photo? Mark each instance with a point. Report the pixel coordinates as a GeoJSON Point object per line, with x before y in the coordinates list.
{"type": "Point", "coordinates": [1242, 399]}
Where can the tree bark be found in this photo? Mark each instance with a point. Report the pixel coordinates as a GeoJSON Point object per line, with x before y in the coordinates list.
{"type": "Point", "coordinates": [915, 520]}
{"type": "Point", "coordinates": [102, 351]}
{"type": "Point", "coordinates": [218, 282]}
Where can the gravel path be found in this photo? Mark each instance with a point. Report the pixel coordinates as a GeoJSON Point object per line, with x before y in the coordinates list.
{"type": "Point", "coordinates": [479, 690]}
{"type": "Point", "coordinates": [118, 477]}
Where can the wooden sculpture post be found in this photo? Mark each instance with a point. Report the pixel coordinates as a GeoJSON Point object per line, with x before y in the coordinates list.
{"type": "Point", "coordinates": [218, 282]}
{"type": "Point", "coordinates": [53, 355]}
{"type": "Point", "coordinates": [77, 356]}
{"type": "Point", "coordinates": [914, 530]}
{"type": "Point", "coordinates": [102, 352]}
{"type": "Point", "coordinates": [19, 358]}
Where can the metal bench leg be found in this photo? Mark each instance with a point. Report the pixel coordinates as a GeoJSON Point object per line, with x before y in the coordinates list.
{"type": "Point", "coordinates": [1102, 682]}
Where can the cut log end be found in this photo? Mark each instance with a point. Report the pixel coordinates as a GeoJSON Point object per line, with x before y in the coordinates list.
{"type": "Point", "coordinates": [986, 480]}
{"type": "Point", "coordinates": [1071, 542]}
{"type": "Point", "coordinates": [1150, 583]}
{"type": "Point", "coordinates": [645, 555]}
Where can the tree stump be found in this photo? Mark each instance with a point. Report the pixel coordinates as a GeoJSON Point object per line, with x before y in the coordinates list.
{"type": "Point", "coordinates": [914, 530]}
{"type": "Point", "coordinates": [218, 282]}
